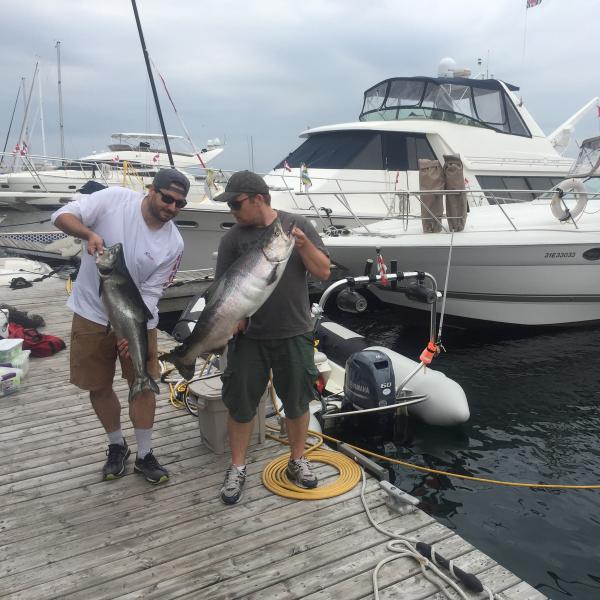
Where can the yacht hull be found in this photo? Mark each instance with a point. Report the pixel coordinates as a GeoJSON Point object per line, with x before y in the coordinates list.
{"type": "Point", "coordinates": [524, 284]}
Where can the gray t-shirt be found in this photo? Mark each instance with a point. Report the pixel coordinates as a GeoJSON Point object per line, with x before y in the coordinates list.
{"type": "Point", "coordinates": [286, 312]}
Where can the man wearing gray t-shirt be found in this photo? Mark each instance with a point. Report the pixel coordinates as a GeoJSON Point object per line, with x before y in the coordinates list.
{"type": "Point", "coordinates": [278, 336]}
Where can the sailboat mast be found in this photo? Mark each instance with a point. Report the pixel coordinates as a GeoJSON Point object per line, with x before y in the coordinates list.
{"type": "Point", "coordinates": [42, 124]}
{"type": "Point", "coordinates": [60, 107]}
{"type": "Point", "coordinates": [147, 59]}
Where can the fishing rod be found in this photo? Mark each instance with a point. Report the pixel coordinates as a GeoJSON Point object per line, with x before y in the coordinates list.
{"type": "Point", "coordinates": [146, 58]}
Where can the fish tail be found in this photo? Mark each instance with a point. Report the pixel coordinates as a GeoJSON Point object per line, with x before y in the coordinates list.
{"type": "Point", "coordinates": [186, 370]}
{"type": "Point", "coordinates": [142, 384]}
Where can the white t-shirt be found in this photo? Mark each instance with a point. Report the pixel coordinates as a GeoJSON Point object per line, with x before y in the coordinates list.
{"type": "Point", "coordinates": [152, 255]}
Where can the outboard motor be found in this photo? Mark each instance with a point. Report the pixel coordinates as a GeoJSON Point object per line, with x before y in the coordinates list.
{"type": "Point", "coordinates": [369, 381]}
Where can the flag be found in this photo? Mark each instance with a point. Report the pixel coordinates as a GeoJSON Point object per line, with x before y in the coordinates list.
{"type": "Point", "coordinates": [17, 148]}
{"type": "Point", "coordinates": [286, 166]}
{"type": "Point", "coordinates": [381, 268]}
{"type": "Point", "coordinates": [156, 157]}
{"type": "Point", "coordinates": [304, 178]}
{"type": "Point", "coordinates": [532, 3]}
{"type": "Point", "coordinates": [24, 148]}
{"type": "Point", "coordinates": [115, 159]}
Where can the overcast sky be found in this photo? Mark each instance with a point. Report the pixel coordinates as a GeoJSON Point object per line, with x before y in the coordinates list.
{"type": "Point", "coordinates": [264, 71]}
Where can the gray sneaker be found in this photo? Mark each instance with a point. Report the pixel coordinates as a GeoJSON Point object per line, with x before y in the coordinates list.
{"type": "Point", "coordinates": [300, 473]}
{"type": "Point", "coordinates": [231, 492]}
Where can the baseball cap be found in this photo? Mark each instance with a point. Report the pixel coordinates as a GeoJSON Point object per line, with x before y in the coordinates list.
{"type": "Point", "coordinates": [171, 179]}
{"type": "Point", "coordinates": [243, 182]}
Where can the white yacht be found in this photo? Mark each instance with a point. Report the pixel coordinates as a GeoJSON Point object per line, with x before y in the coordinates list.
{"type": "Point", "coordinates": [132, 159]}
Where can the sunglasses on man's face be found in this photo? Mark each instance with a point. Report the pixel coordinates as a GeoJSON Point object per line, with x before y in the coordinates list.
{"type": "Point", "coordinates": [169, 200]}
{"type": "Point", "coordinates": [237, 204]}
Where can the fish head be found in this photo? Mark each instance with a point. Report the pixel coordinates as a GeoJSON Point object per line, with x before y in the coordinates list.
{"type": "Point", "coordinates": [277, 244]}
{"type": "Point", "coordinates": [110, 261]}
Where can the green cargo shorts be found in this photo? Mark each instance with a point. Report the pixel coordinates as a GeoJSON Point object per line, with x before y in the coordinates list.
{"type": "Point", "coordinates": [247, 374]}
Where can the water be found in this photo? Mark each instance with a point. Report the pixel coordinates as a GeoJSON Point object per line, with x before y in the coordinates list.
{"type": "Point", "coordinates": [535, 415]}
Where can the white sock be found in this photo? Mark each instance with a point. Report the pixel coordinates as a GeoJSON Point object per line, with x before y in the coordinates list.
{"type": "Point", "coordinates": [144, 441]}
{"type": "Point", "coordinates": [239, 467]}
{"type": "Point", "coordinates": [116, 437]}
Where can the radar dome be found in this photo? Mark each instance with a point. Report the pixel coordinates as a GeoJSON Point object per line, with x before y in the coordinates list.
{"type": "Point", "coordinates": [446, 67]}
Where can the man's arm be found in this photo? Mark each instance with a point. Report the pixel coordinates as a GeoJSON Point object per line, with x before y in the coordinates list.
{"type": "Point", "coordinates": [314, 259]}
{"type": "Point", "coordinates": [71, 225]}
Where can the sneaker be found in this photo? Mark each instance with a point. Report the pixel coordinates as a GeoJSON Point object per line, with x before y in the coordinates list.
{"type": "Point", "coordinates": [114, 467]}
{"type": "Point", "coordinates": [150, 468]}
{"type": "Point", "coordinates": [231, 492]}
{"type": "Point", "coordinates": [300, 473]}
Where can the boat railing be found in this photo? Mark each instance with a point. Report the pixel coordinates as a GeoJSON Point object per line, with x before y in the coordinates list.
{"type": "Point", "coordinates": [407, 205]}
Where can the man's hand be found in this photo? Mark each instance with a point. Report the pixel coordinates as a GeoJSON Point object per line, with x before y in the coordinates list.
{"type": "Point", "coordinates": [301, 239]}
{"type": "Point", "coordinates": [123, 348]}
{"type": "Point", "coordinates": [95, 244]}
{"type": "Point", "coordinates": [240, 327]}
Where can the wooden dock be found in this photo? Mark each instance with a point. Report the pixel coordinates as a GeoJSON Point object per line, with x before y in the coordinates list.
{"type": "Point", "coordinates": [67, 535]}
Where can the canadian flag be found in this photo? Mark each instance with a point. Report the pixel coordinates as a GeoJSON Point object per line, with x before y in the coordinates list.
{"type": "Point", "coordinates": [286, 166]}
{"type": "Point", "coordinates": [24, 148]}
{"type": "Point", "coordinates": [381, 268]}
{"type": "Point", "coordinates": [17, 148]}
{"type": "Point", "coordinates": [156, 157]}
{"type": "Point", "coordinates": [115, 159]}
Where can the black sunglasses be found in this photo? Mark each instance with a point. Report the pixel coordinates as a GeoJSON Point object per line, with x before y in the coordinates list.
{"type": "Point", "coordinates": [237, 204]}
{"type": "Point", "coordinates": [169, 200]}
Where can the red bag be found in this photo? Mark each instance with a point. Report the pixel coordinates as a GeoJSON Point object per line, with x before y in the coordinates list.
{"type": "Point", "coordinates": [40, 344]}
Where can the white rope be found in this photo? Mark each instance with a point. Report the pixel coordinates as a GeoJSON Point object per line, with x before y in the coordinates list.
{"type": "Point", "coordinates": [403, 546]}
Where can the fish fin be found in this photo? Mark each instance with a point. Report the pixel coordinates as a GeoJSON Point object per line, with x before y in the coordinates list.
{"type": "Point", "coordinates": [273, 275]}
{"type": "Point", "coordinates": [186, 370]}
{"type": "Point", "coordinates": [141, 384]}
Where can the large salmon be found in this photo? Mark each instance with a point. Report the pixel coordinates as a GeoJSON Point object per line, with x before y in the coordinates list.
{"type": "Point", "coordinates": [236, 295]}
{"type": "Point", "coordinates": [127, 314]}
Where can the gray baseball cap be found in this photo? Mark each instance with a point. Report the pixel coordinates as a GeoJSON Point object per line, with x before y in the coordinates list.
{"type": "Point", "coordinates": [243, 182]}
{"type": "Point", "coordinates": [171, 179]}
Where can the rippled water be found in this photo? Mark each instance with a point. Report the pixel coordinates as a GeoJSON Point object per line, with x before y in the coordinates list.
{"type": "Point", "coordinates": [535, 417]}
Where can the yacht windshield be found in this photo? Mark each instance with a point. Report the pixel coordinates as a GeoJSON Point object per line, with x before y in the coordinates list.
{"type": "Point", "coordinates": [357, 149]}
{"type": "Point", "coordinates": [588, 161]}
{"type": "Point", "coordinates": [475, 102]}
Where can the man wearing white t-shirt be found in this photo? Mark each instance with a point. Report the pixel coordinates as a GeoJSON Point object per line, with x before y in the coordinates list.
{"type": "Point", "coordinates": [152, 246]}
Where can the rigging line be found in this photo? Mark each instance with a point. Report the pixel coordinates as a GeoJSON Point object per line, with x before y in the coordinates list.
{"type": "Point", "coordinates": [443, 310]}
{"type": "Point", "coordinates": [187, 133]}
{"type": "Point", "coordinates": [10, 124]}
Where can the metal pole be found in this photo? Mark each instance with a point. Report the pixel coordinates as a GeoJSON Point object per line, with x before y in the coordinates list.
{"type": "Point", "coordinates": [26, 116]}
{"type": "Point", "coordinates": [147, 59]}
{"type": "Point", "coordinates": [60, 107]}
{"type": "Point", "coordinates": [10, 124]}
{"type": "Point", "coordinates": [42, 124]}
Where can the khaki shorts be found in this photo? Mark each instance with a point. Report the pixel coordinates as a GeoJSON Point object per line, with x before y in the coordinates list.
{"type": "Point", "coordinates": [94, 354]}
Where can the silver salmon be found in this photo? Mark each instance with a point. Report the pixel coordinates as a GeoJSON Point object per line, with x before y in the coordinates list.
{"type": "Point", "coordinates": [236, 295]}
{"type": "Point", "coordinates": [127, 314]}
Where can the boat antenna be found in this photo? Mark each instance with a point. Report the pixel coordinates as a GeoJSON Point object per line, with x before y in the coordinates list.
{"type": "Point", "coordinates": [147, 59]}
{"type": "Point", "coordinates": [61, 125]}
{"type": "Point", "coordinates": [22, 139]}
{"type": "Point", "coordinates": [11, 122]}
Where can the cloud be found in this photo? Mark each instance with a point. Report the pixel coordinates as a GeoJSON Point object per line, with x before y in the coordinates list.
{"type": "Point", "coordinates": [265, 70]}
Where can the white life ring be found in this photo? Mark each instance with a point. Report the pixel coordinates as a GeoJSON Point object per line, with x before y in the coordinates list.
{"type": "Point", "coordinates": [558, 207]}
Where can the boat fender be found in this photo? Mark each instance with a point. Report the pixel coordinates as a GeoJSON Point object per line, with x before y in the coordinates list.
{"type": "Point", "coordinates": [468, 579]}
{"type": "Point", "coordinates": [558, 207]}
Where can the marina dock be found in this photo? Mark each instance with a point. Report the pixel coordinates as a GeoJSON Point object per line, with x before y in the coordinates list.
{"type": "Point", "coordinates": [67, 534]}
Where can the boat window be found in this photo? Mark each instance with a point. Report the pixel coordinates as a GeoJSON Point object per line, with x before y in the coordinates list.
{"type": "Point", "coordinates": [474, 102]}
{"type": "Point", "coordinates": [417, 147]}
{"type": "Point", "coordinates": [366, 150]}
{"type": "Point", "coordinates": [532, 187]}
{"type": "Point", "coordinates": [335, 150]}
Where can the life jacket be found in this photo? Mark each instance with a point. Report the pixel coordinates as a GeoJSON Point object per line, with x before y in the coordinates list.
{"type": "Point", "coordinates": [40, 344]}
